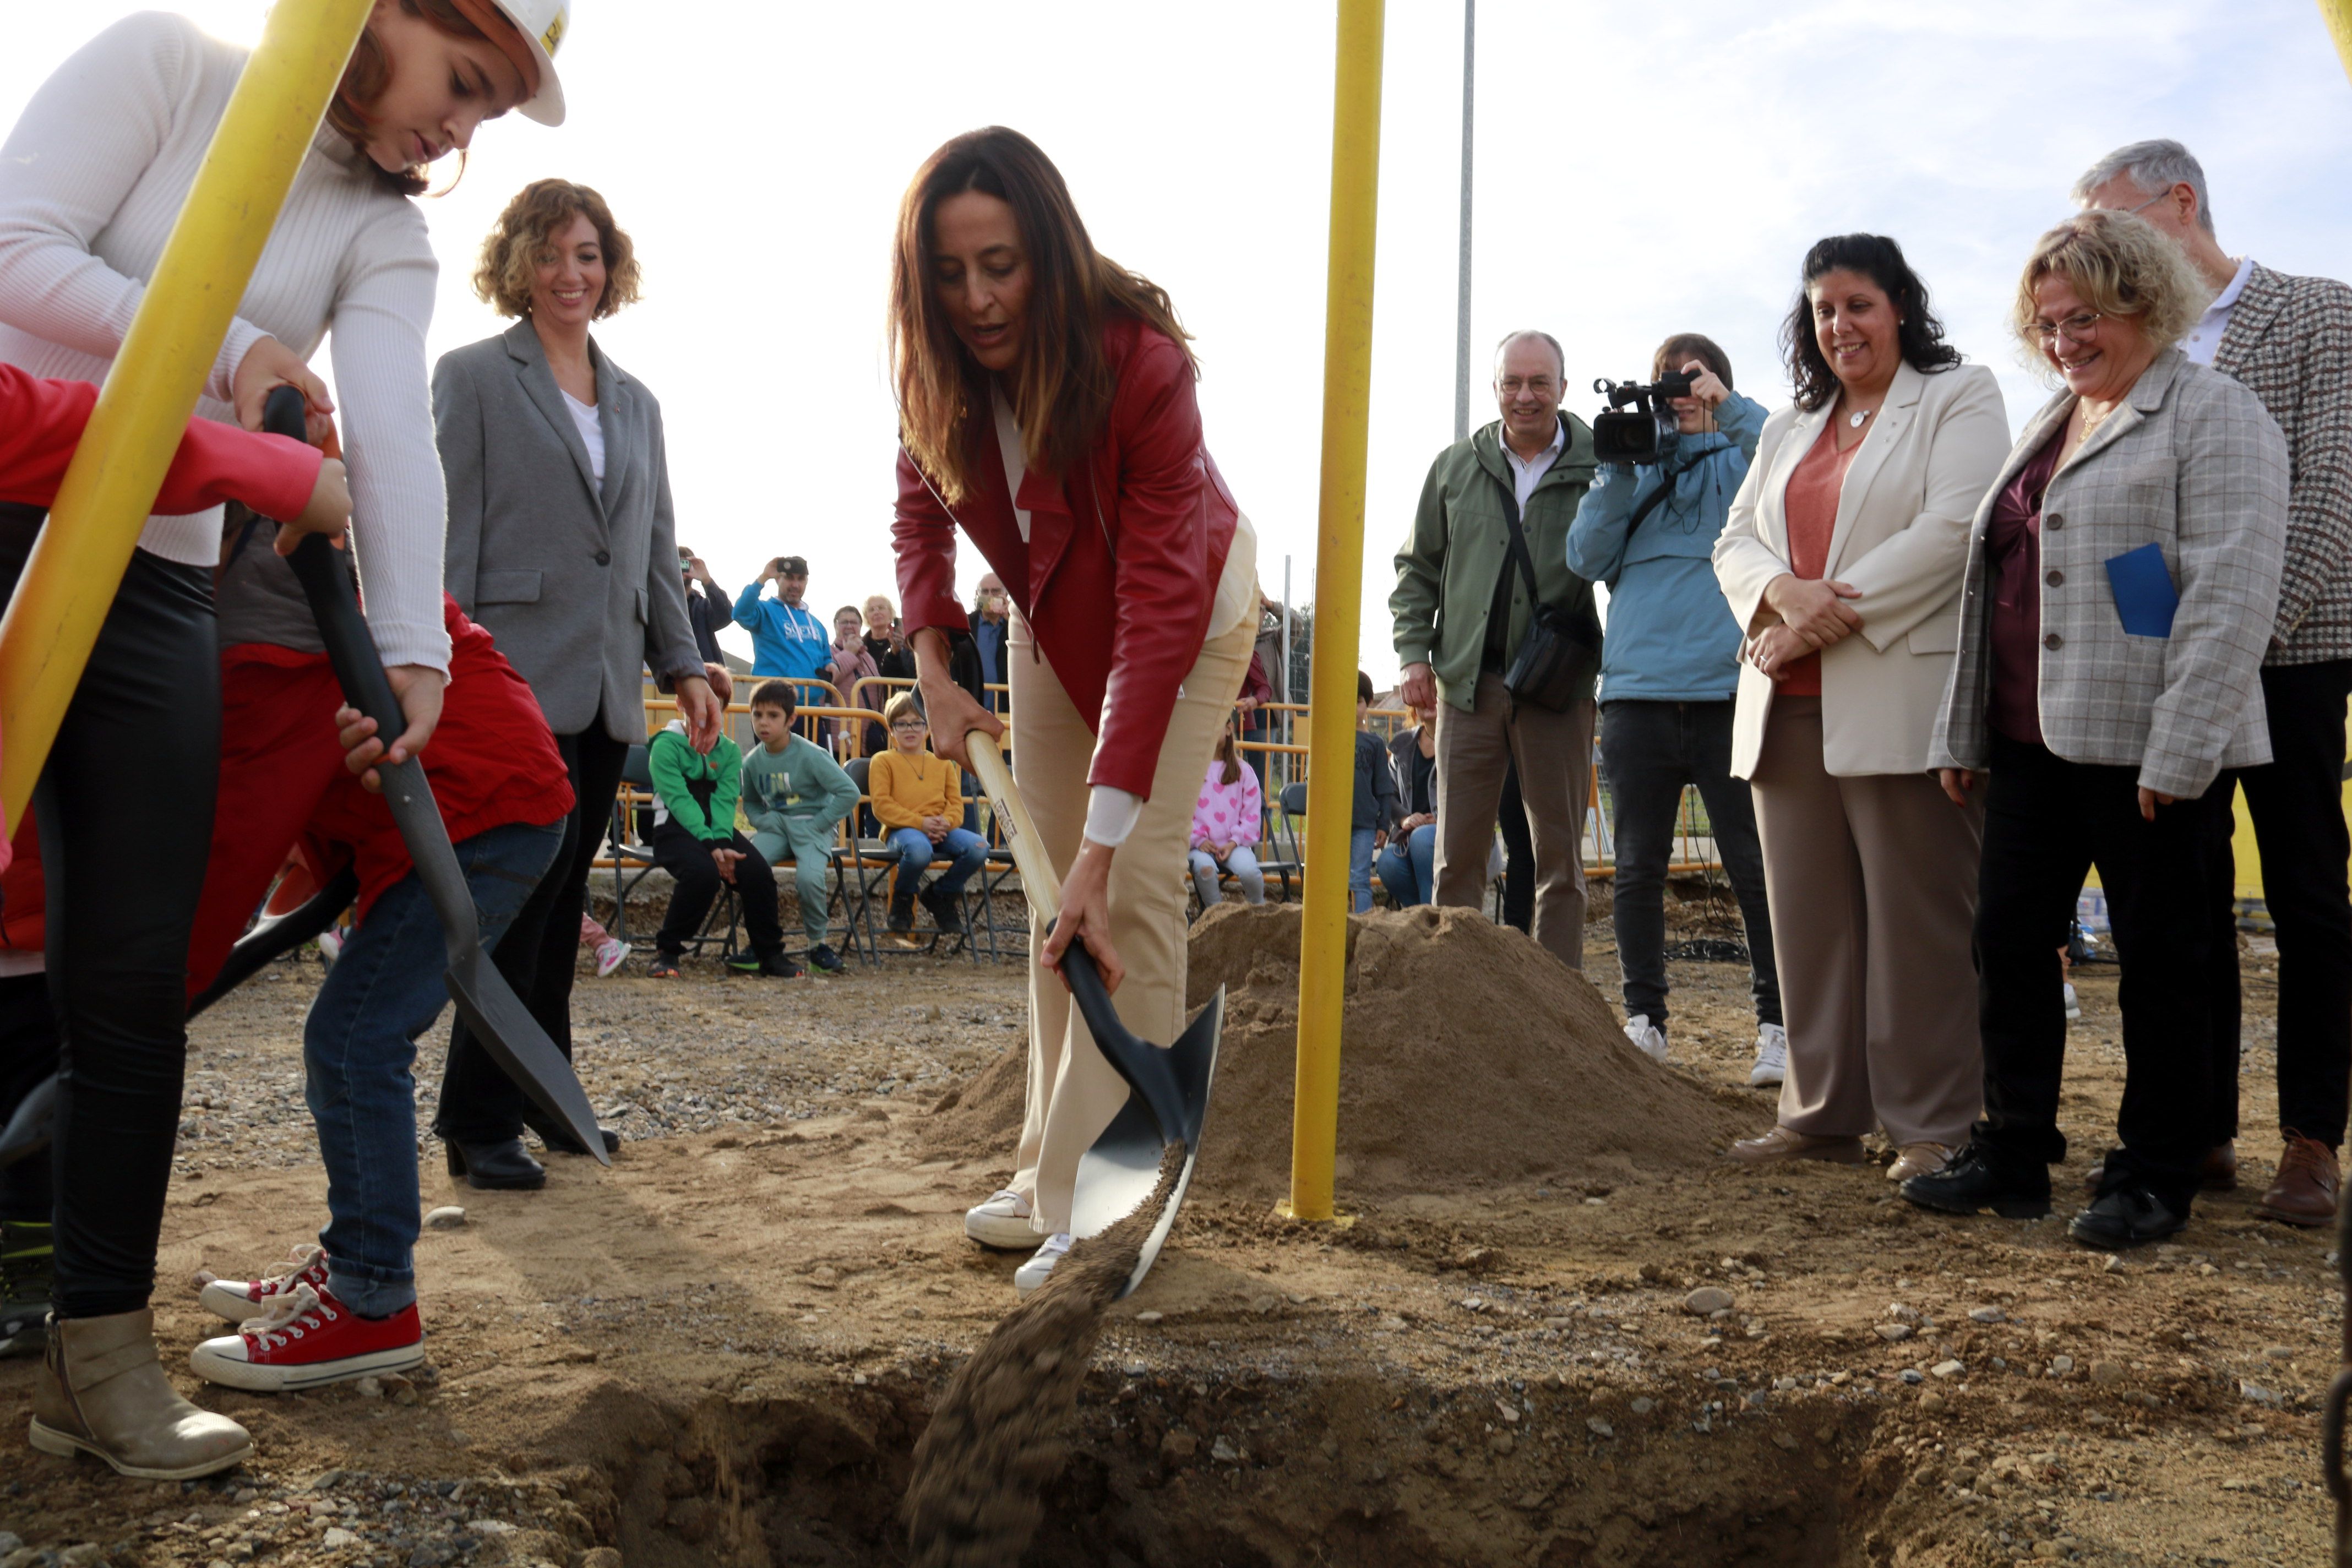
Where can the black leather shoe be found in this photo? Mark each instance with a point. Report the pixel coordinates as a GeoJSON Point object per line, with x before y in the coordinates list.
{"type": "Point", "coordinates": [2131, 1216]}
{"type": "Point", "coordinates": [1973, 1182]}
{"type": "Point", "coordinates": [559, 1140]}
{"type": "Point", "coordinates": [505, 1165]}
{"type": "Point", "coordinates": [947, 911]}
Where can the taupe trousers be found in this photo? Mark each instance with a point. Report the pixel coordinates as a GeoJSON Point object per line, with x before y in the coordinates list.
{"type": "Point", "coordinates": [1554, 751]}
{"type": "Point", "coordinates": [1873, 883]}
{"type": "Point", "coordinates": [1073, 1093]}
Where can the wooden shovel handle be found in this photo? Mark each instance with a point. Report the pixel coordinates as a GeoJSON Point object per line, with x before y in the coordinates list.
{"type": "Point", "coordinates": [1039, 881]}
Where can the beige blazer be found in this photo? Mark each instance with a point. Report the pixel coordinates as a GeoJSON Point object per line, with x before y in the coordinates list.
{"type": "Point", "coordinates": [1901, 537]}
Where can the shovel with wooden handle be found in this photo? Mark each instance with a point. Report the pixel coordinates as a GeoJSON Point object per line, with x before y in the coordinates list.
{"type": "Point", "coordinates": [486, 1002]}
{"type": "Point", "coordinates": [1168, 1098]}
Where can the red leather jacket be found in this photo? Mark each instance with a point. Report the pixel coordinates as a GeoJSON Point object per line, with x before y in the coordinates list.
{"type": "Point", "coordinates": [1119, 573]}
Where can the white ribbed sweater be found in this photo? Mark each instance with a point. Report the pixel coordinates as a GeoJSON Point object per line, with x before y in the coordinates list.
{"type": "Point", "coordinates": [91, 180]}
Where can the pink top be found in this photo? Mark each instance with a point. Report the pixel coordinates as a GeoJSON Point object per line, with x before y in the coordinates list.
{"type": "Point", "coordinates": [1228, 813]}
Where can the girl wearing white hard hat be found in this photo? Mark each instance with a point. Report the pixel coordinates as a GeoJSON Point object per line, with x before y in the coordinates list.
{"type": "Point", "coordinates": [92, 178]}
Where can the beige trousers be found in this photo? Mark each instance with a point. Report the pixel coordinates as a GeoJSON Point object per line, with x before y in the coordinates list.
{"type": "Point", "coordinates": [1073, 1092]}
{"type": "Point", "coordinates": [1554, 751]}
{"type": "Point", "coordinates": [1873, 883]}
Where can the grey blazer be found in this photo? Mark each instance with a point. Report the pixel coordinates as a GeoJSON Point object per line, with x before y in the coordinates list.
{"type": "Point", "coordinates": [579, 585]}
{"type": "Point", "coordinates": [2192, 464]}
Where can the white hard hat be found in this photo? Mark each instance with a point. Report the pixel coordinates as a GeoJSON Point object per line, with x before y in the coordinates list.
{"type": "Point", "coordinates": [542, 24]}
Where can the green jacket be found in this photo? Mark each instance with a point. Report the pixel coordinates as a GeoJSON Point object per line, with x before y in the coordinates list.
{"type": "Point", "coordinates": [696, 791]}
{"type": "Point", "coordinates": [794, 799]}
{"type": "Point", "coordinates": [1447, 569]}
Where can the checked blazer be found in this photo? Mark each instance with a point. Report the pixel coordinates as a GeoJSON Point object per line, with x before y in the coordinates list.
{"type": "Point", "coordinates": [2191, 463]}
{"type": "Point", "coordinates": [2290, 340]}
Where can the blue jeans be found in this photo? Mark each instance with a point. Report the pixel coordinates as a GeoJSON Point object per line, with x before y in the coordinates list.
{"type": "Point", "coordinates": [915, 851]}
{"type": "Point", "coordinates": [358, 1045]}
{"type": "Point", "coordinates": [1359, 869]}
{"type": "Point", "coordinates": [1409, 869]}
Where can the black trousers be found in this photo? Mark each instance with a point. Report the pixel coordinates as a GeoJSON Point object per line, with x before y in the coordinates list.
{"type": "Point", "coordinates": [688, 860]}
{"type": "Point", "coordinates": [2296, 805]}
{"type": "Point", "coordinates": [2047, 821]}
{"type": "Point", "coordinates": [28, 1054]}
{"type": "Point", "coordinates": [480, 1104]}
{"type": "Point", "coordinates": [1652, 750]}
{"type": "Point", "coordinates": [1518, 854]}
{"type": "Point", "coordinates": [124, 861]}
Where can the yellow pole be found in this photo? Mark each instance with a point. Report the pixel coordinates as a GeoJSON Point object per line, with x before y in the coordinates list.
{"type": "Point", "coordinates": [2339, 25]}
{"type": "Point", "coordinates": [69, 581]}
{"type": "Point", "coordinates": [1338, 595]}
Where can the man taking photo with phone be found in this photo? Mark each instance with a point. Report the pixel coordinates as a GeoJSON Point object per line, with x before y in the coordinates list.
{"type": "Point", "coordinates": [788, 641]}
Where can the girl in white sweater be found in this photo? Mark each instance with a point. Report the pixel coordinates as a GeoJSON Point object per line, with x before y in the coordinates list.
{"type": "Point", "coordinates": [91, 180]}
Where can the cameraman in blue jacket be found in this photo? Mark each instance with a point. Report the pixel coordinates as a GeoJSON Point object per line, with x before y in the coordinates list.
{"type": "Point", "coordinates": [1669, 669]}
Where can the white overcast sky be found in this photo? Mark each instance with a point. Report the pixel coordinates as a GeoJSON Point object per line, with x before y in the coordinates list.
{"type": "Point", "coordinates": [1641, 169]}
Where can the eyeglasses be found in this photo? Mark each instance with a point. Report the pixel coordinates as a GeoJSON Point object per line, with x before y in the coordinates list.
{"type": "Point", "coordinates": [2151, 201]}
{"type": "Point", "coordinates": [910, 727]}
{"type": "Point", "coordinates": [2075, 329]}
{"type": "Point", "coordinates": [1509, 386]}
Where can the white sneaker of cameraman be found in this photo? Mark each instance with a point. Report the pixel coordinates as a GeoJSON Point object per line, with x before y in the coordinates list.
{"type": "Point", "coordinates": [1647, 1037]}
{"type": "Point", "coordinates": [1772, 1056]}
{"type": "Point", "coordinates": [1040, 1268]}
{"type": "Point", "coordinates": [1002, 1223]}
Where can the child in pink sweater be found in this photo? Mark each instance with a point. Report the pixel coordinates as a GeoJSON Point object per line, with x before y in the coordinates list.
{"type": "Point", "coordinates": [1226, 822]}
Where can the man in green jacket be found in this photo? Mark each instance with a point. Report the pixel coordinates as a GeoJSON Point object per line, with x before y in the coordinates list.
{"type": "Point", "coordinates": [1462, 609]}
{"type": "Point", "coordinates": [694, 839]}
{"type": "Point", "coordinates": [794, 797]}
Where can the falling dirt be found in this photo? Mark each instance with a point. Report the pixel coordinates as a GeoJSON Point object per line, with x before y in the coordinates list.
{"type": "Point", "coordinates": [994, 1442]}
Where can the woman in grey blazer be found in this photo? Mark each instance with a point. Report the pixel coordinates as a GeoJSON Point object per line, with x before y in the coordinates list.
{"type": "Point", "coordinates": [2122, 584]}
{"type": "Point", "coordinates": [560, 543]}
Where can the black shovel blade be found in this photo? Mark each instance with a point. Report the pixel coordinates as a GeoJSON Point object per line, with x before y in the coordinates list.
{"type": "Point", "coordinates": [1119, 1173]}
{"type": "Point", "coordinates": [28, 1132]}
{"type": "Point", "coordinates": [274, 936]}
{"type": "Point", "coordinates": [504, 1028]}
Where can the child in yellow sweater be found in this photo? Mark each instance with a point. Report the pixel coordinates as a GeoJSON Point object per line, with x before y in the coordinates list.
{"type": "Point", "coordinates": [918, 799]}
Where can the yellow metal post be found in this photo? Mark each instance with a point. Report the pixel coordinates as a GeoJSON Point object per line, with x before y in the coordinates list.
{"type": "Point", "coordinates": [1339, 593]}
{"type": "Point", "coordinates": [2339, 25]}
{"type": "Point", "coordinates": [69, 581]}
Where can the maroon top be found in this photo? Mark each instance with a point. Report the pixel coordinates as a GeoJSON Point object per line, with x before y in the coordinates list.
{"type": "Point", "coordinates": [2013, 560]}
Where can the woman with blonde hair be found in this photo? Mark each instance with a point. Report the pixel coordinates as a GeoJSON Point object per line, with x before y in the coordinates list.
{"type": "Point", "coordinates": [1047, 410]}
{"type": "Point", "coordinates": [2123, 579]}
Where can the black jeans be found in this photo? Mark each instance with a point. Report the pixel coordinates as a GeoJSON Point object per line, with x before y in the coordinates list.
{"type": "Point", "coordinates": [1652, 750]}
{"type": "Point", "coordinates": [124, 862]}
{"type": "Point", "coordinates": [688, 860]}
{"type": "Point", "coordinates": [480, 1104]}
{"type": "Point", "coordinates": [28, 1054]}
{"type": "Point", "coordinates": [1518, 855]}
{"type": "Point", "coordinates": [2047, 821]}
{"type": "Point", "coordinates": [2296, 805]}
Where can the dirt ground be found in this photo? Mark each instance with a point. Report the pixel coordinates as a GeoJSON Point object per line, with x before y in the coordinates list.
{"type": "Point", "coordinates": [723, 1350]}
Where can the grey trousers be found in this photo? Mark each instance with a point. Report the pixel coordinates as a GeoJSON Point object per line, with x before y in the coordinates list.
{"type": "Point", "coordinates": [1873, 883]}
{"type": "Point", "coordinates": [1554, 751]}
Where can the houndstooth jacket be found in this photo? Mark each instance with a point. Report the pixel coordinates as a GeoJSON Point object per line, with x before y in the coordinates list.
{"type": "Point", "coordinates": [2290, 340]}
{"type": "Point", "coordinates": [2192, 463]}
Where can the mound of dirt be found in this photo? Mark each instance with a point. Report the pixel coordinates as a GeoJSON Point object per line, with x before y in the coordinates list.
{"type": "Point", "coordinates": [1468, 1056]}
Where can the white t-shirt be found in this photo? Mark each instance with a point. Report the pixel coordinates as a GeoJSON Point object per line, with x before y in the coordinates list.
{"type": "Point", "coordinates": [583, 415]}
{"type": "Point", "coordinates": [2204, 339]}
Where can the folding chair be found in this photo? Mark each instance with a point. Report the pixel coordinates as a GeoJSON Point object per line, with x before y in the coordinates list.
{"type": "Point", "coordinates": [626, 847]}
{"type": "Point", "coordinates": [864, 869]}
{"type": "Point", "coordinates": [1289, 822]}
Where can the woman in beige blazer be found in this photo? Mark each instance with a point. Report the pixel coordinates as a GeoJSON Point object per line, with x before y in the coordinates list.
{"type": "Point", "coordinates": [1842, 560]}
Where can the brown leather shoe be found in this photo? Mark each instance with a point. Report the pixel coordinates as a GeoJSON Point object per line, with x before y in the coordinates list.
{"type": "Point", "coordinates": [1784, 1143]}
{"type": "Point", "coordinates": [2304, 1193]}
{"type": "Point", "coordinates": [2216, 1173]}
{"type": "Point", "coordinates": [1918, 1159]}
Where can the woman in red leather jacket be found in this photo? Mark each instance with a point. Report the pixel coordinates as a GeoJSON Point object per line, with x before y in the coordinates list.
{"type": "Point", "coordinates": [1046, 409]}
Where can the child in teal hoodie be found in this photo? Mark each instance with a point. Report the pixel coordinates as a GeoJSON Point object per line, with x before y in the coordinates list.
{"type": "Point", "coordinates": [795, 797]}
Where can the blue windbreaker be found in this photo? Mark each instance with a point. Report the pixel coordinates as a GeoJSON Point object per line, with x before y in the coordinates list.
{"type": "Point", "coordinates": [787, 640]}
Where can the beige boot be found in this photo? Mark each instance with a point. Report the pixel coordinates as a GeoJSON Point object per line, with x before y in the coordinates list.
{"type": "Point", "coordinates": [102, 1390]}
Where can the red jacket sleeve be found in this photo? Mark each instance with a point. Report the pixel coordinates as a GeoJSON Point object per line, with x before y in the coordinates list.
{"type": "Point", "coordinates": [41, 424]}
{"type": "Point", "coordinates": [925, 537]}
{"type": "Point", "coordinates": [1163, 590]}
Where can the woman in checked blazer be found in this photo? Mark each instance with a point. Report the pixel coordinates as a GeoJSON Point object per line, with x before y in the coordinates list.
{"type": "Point", "coordinates": [2123, 582]}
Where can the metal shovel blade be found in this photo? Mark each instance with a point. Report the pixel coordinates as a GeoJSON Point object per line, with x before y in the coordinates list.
{"type": "Point", "coordinates": [504, 1028]}
{"type": "Point", "coordinates": [273, 936]}
{"type": "Point", "coordinates": [28, 1132]}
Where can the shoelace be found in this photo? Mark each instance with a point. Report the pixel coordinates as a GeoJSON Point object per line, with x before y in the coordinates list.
{"type": "Point", "coordinates": [296, 1269]}
{"type": "Point", "coordinates": [287, 1316]}
{"type": "Point", "coordinates": [1006, 1192]}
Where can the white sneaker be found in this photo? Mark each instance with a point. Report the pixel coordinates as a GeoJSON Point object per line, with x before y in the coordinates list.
{"type": "Point", "coordinates": [238, 1299]}
{"type": "Point", "coordinates": [1647, 1038]}
{"type": "Point", "coordinates": [2073, 1004]}
{"type": "Point", "coordinates": [1002, 1223]}
{"type": "Point", "coordinates": [610, 953]}
{"type": "Point", "coordinates": [330, 945]}
{"type": "Point", "coordinates": [1772, 1056]}
{"type": "Point", "coordinates": [1035, 1272]}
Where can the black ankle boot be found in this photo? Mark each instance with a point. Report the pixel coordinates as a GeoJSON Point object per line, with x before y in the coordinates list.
{"type": "Point", "coordinates": [1974, 1181]}
{"type": "Point", "coordinates": [505, 1165]}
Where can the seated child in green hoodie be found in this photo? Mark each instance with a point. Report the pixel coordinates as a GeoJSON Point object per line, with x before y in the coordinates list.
{"type": "Point", "coordinates": [694, 839]}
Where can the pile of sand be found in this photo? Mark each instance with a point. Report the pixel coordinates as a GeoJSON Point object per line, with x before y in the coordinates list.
{"type": "Point", "coordinates": [1469, 1056]}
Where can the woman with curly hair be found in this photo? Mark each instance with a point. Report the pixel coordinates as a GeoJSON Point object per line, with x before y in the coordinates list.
{"type": "Point", "coordinates": [1842, 561]}
{"type": "Point", "coordinates": [2123, 579]}
{"type": "Point", "coordinates": [562, 544]}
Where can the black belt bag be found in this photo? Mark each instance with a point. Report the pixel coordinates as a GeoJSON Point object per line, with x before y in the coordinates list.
{"type": "Point", "coordinates": [1561, 655]}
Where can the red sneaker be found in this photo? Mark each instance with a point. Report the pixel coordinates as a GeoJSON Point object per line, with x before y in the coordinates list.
{"type": "Point", "coordinates": [305, 1338]}
{"type": "Point", "coordinates": [238, 1299]}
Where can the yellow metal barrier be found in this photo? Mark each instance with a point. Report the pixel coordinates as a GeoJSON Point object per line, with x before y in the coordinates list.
{"type": "Point", "coordinates": [61, 601]}
{"type": "Point", "coordinates": [1339, 573]}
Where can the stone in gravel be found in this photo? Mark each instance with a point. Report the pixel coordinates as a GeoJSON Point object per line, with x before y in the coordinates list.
{"type": "Point", "coordinates": [1947, 1369]}
{"type": "Point", "coordinates": [1178, 1447]}
{"type": "Point", "coordinates": [1598, 1427]}
{"type": "Point", "coordinates": [1913, 1375]}
{"type": "Point", "coordinates": [1507, 1411]}
{"type": "Point", "coordinates": [601, 1557]}
{"type": "Point", "coordinates": [449, 1217]}
{"type": "Point", "coordinates": [1706, 1300]}
{"type": "Point", "coordinates": [1502, 1442]}
{"type": "Point", "coordinates": [1148, 1319]}
{"type": "Point", "coordinates": [10, 1542]}
{"type": "Point", "coordinates": [79, 1556]}
{"type": "Point", "coordinates": [2256, 1393]}
{"type": "Point", "coordinates": [1894, 1333]}
{"type": "Point", "coordinates": [370, 1387]}
{"type": "Point", "coordinates": [2107, 1373]}
{"type": "Point", "coordinates": [1932, 1401]}
{"type": "Point", "coordinates": [1988, 1315]}
{"type": "Point", "coordinates": [2062, 1364]}
{"type": "Point", "coordinates": [402, 1392]}
{"type": "Point", "coordinates": [1899, 1313]}
{"type": "Point", "coordinates": [2280, 1352]}
{"type": "Point", "coordinates": [2114, 1265]}
{"type": "Point", "coordinates": [1224, 1453]}
{"type": "Point", "coordinates": [1643, 1405]}
{"type": "Point", "coordinates": [337, 1538]}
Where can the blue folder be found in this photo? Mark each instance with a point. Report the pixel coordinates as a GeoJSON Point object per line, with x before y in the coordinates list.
{"type": "Point", "coordinates": [2145, 596]}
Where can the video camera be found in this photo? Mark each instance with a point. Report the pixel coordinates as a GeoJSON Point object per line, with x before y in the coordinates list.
{"type": "Point", "coordinates": [1645, 434]}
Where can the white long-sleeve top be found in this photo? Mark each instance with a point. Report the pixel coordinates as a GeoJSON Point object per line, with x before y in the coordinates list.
{"type": "Point", "coordinates": [91, 180]}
